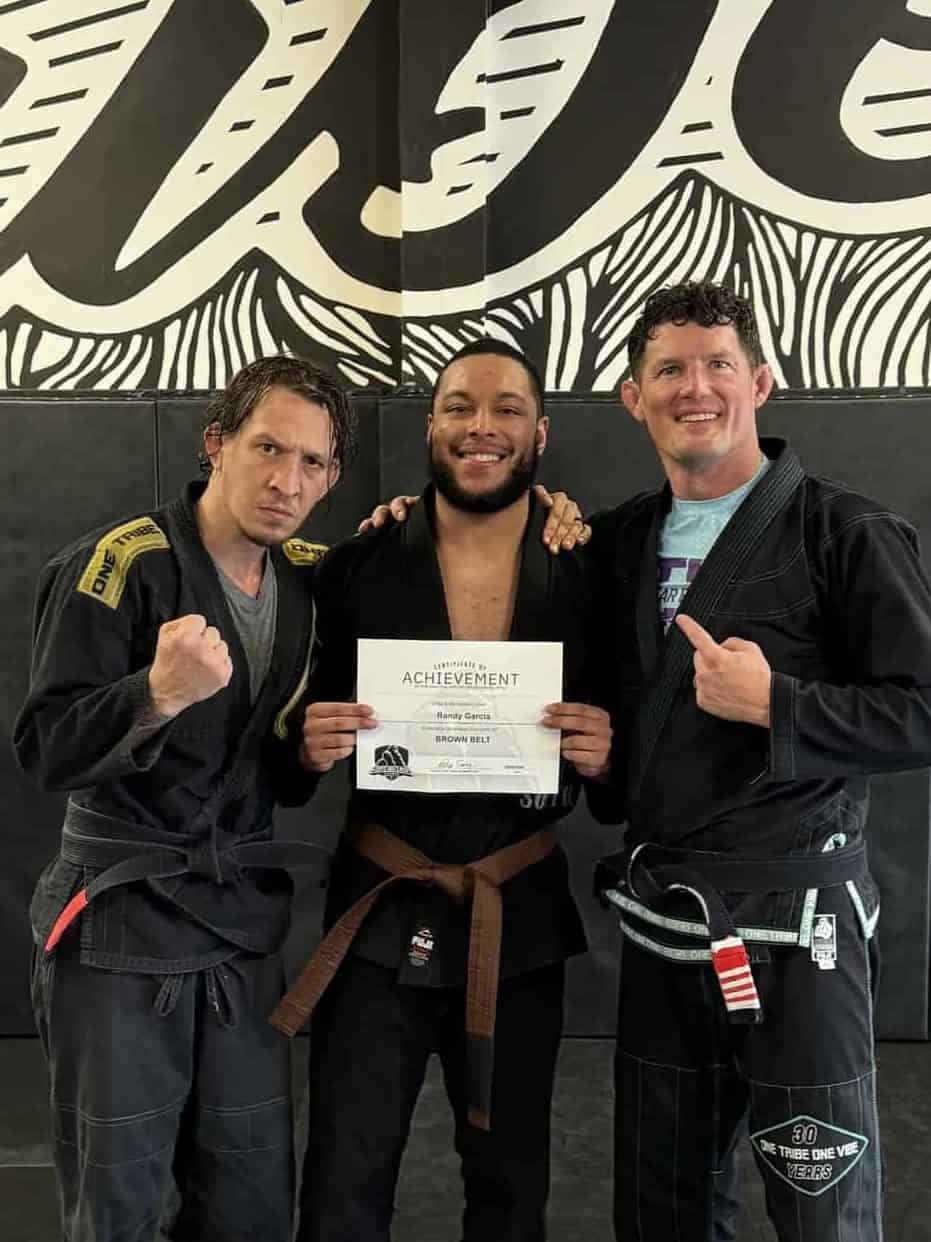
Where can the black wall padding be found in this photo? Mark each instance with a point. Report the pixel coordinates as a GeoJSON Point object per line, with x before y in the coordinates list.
{"type": "Point", "coordinates": [76, 463]}
{"type": "Point", "coordinates": [66, 468]}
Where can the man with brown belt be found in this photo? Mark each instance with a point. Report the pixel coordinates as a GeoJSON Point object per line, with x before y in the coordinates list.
{"type": "Point", "coordinates": [425, 883]}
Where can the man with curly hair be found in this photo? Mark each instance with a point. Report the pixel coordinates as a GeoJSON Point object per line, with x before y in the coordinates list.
{"type": "Point", "coordinates": [771, 647]}
{"type": "Point", "coordinates": [169, 651]}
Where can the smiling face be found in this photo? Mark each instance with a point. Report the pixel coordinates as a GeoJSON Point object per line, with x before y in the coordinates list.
{"type": "Point", "coordinates": [484, 434]}
{"type": "Point", "coordinates": [698, 395]}
{"type": "Point", "coordinates": [268, 475]}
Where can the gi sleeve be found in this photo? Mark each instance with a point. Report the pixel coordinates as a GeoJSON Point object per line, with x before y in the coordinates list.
{"type": "Point", "coordinates": [87, 718]}
{"type": "Point", "coordinates": [876, 605]}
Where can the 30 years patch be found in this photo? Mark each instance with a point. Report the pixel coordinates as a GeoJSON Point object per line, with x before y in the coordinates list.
{"type": "Point", "coordinates": [811, 1155]}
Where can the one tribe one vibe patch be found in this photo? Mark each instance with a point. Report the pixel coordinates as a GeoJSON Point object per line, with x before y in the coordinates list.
{"type": "Point", "coordinates": [811, 1155]}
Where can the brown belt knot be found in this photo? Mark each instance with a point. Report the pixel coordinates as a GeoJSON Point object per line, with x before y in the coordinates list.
{"type": "Point", "coordinates": [477, 882]}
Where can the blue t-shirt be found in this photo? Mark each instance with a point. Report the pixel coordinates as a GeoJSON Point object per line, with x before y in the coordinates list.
{"type": "Point", "coordinates": [687, 536]}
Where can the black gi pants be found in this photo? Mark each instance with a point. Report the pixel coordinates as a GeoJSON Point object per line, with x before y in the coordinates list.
{"type": "Point", "coordinates": [687, 1081]}
{"type": "Point", "coordinates": [153, 1075]}
{"type": "Point", "coordinates": [370, 1042]}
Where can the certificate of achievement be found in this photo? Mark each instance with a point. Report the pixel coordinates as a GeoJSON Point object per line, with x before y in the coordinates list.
{"type": "Point", "coordinates": [458, 717]}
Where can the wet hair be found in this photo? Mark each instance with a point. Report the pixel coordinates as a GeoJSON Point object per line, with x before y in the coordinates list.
{"type": "Point", "coordinates": [501, 349]}
{"type": "Point", "coordinates": [700, 302]}
{"type": "Point", "coordinates": [230, 408]}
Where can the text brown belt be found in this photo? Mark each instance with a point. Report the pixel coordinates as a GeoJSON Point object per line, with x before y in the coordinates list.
{"type": "Point", "coordinates": [478, 881]}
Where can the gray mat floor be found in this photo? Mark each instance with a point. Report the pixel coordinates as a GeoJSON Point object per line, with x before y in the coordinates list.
{"type": "Point", "coordinates": [429, 1195]}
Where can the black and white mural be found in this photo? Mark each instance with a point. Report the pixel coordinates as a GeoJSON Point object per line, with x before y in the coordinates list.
{"type": "Point", "coordinates": [185, 185]}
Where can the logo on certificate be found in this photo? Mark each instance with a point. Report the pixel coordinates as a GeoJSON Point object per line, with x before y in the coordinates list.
{"type": "Point", "coordinates": [391, 762]}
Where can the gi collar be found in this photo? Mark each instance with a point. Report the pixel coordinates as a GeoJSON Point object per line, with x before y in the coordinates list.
{"type": "Point", "coordinates": [668, 662]}
{"type": "Point", "coordinates": [202, 592]}
{"type": "Point", "coordinates": [425, 583]}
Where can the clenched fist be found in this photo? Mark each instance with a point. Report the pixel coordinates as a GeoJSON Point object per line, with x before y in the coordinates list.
{"type": "Point", "coordinates": [192, 663]}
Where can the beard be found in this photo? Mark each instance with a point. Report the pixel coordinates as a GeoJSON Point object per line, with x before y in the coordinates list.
{"type": "Point", "coordinates": [517, 484]}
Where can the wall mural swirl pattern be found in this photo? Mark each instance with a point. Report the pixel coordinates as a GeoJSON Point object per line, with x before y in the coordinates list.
{"type": "Point", "coordinates": [372, 182]}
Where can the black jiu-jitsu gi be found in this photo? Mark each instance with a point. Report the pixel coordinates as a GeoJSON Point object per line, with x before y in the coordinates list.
{"type": "Point", "coordinates": [767, 824]}
{"type": "Point", "coordinates": [153, 1005]}
{"type": "Point", "coordinates": [400, 993]}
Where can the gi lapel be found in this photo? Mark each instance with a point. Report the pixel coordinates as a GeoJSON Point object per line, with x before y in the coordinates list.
{"type": "Point", "coordinates": [722, 564]}
{"type": "Point", "coordinates": [201, 591]}
{"type": "Point", "coordinates": [424, 599]}
{"type": "Point", "coordinates": [650, 635]}
{"type": "Point", "coordinates": [421, 600]}
{"type": "Point", "coordinates": [292, 656]}
{"type": "Point", "coordinates": [292, 634]}
{"type": "Point", "coordinates": [532, 621]}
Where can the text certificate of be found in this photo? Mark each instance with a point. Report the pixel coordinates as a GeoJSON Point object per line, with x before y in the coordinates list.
{"type": "Point", "coordinates": [458, 717]}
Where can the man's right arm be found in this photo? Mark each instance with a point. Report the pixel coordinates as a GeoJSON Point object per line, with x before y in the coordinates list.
{"type": "Point", "coordinates": [98, 707]}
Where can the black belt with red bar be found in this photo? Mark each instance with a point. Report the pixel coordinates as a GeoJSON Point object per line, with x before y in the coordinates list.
{"type": "Point", "coordinates": [650, 872]}
{"type": "Point", "coordinates": [115, 848]}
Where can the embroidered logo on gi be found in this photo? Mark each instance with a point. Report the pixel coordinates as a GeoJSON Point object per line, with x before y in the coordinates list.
{"type": "Point", "coordinates": [811, 1155]}
{"type": "Point", "coordinates": [420, 949]}
{"type": "Point", "coordinates": [300, 552]}
{"type": "Point", "coordinates": [391, 762]}
{"type": "Point", "coordinates": [824, 941]}
{"type": "Point", "coordinates": [105, 575]}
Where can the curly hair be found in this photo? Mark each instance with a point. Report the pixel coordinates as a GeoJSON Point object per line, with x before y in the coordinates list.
{"type": "Point", "coordinates": [229, 409]}
{"type": "Point", "coordinates": [700, 302]}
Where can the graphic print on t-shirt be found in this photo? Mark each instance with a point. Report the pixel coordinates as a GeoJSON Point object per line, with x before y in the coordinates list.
{"type": "Point", "coordinates": [687, 535]}
{"type": "Point", "coordinates": [676, 574]}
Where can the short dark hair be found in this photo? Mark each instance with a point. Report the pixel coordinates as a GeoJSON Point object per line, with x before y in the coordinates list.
{"type": "Point", "coordinates": [230, 408]}
{"type": "Point", "coordinates": [700, 302]}
{"type": "Point", "coordinates": [491, 345]}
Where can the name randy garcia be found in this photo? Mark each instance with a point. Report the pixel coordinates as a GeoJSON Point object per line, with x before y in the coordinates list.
{"type": "Point", "coordinates": [466, 674]}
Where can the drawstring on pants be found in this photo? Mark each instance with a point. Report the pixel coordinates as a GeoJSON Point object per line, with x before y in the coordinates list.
{"type": "Point", "coordinates": [219, 995]}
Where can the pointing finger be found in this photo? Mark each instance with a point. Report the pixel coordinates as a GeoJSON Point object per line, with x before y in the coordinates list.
{"type": "Point", "coordinates": [699, 637]}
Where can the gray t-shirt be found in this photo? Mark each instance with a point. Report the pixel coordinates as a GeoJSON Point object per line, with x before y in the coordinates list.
{"type": "Point", "coordinates": [255, 618]}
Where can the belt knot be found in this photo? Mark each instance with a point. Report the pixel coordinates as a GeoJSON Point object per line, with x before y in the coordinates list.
{"type": "Point", "coordinates": [453, 879]}
{"type": "Point", "coordinates": [214, 864]}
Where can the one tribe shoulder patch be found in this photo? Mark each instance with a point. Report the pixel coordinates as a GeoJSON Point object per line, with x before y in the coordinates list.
{"type": "Point", "coordinates": [300, 552]}
{"type": "Point", "coordinates": [105, 576]}
{"type": "Point", "coordinates": [811, 1155]}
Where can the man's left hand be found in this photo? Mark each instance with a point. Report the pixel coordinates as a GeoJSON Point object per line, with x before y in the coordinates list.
{"type": "Point", "coordinates": [733, 679]}
{"type": "Point", "coordinates": [586, 739]}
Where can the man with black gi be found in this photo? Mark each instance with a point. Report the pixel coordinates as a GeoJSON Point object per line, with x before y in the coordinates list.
{"type": "Point", "coordinates": [419, 880]}
{"type": "Point", "coordinates": [170, 651]}
{"type": "Point", "coordinates": [771, 646]}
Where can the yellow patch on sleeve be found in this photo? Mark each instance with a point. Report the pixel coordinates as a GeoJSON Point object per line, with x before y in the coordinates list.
{"type": "Point", "coordinates": [300, 552]}
{"type": "Point", "coordinates": [105, 575]}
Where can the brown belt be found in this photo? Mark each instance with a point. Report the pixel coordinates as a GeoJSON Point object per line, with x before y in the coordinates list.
{"type": "Point", "coordinates": [479, 881]}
